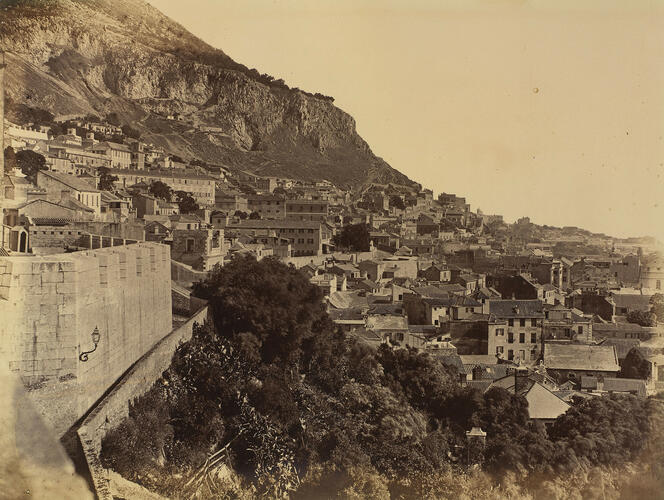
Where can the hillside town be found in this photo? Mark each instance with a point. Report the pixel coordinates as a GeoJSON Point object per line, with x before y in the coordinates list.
{"type": "Point", "coordinates": [396, 264]}
{"type": "Point", "coordinates": [555, 315]}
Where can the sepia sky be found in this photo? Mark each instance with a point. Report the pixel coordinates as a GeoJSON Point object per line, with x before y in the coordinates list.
{"type": "Point", "coordinates": [551, 109]}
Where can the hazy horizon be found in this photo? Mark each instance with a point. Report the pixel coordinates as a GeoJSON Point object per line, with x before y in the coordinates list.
{"type": "Point", "coordinates": [551, 110]}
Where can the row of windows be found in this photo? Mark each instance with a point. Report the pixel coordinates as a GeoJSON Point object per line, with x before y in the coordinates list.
{"type": "Point", "coordinates": [310, 231]}
{"type": "Point", "coordinates": [522, 322]}
{"type": "Point", "coordinates": [500, 332]}
{"type": "Point", "coordinates": [522, 353]}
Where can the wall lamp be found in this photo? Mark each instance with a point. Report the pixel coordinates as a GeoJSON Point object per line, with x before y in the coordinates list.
{"type": "Point", "coordinates": [95, 339]}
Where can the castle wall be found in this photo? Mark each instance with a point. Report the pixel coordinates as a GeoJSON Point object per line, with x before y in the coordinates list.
{"type": "Point", "coordinates": [50, 305]}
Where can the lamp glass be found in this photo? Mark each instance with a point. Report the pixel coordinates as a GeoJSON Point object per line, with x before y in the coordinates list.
{"type": "Point", "coordinates": [96, 335]}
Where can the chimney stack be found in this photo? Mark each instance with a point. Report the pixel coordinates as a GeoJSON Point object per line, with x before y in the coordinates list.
{"type": "Point", "coordinates": [520, 378]}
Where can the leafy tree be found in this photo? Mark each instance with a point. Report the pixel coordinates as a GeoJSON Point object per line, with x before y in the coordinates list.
{"type": "Point", "coordinates": [186, 202]}
{"type": "Point", "coordinates": [30, 163]}
{"type": "Point", "coordinates": [57, 128]}
{"type": "Point", "coordinates": [274, 302]}
{"type": "Point", "coordinates": [113, 119]}
{"type": "Point", "coordinates": [92, 118]}
{"type": "Point", "coordinates": [254, 216]}
{"type": "Point", "coordinates": [657, 305]}
{"type": "Point", "coordinates": [240, 214]}
{"type": "Point", "coordinates": [610, 429]}
{"type": "Point", "coordinates": [643, 318]}
{"type": "Point", "coordinates": [131, 132]}
{"type": "Point", "coordinates": [10, 158]}
{"type": "Point", "coordinates": [397, 202]}
{"type": "Point", "coordinates": [161, 190]}
{"type": "Point", "coordinates": [106, 179]}
{"type": "Point", "coordinates": [635, 365]}
{"type": "Point", "coordinates": [355, 237]}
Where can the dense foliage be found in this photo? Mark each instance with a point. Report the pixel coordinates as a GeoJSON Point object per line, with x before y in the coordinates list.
{"type": "Point", "coordinates": [643, 318]}
{"type": "Point", "coordinates": [30, 164]}
{"type": "Point", "coordinates": [657, 305]}
{"type": "Point", "coordinates": [355, 237]}
{"type": "Point", "coordinates": [106, 179]}
{"type": "Point", "coordinates": [186, 202]}
{"type": "Point", "coordinates": [270, 400]}
{"type": "Point", "coordinates": [161, 190]}
{"type": "Point", "coordinates": [635, 365]}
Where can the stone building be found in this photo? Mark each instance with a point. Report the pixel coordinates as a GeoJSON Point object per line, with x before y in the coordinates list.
{"type": "Point", "coordinates": [572, 361]}
{"type": "Point", "coordinates": [516, 331]}
{"type": "Point", "coordinates": [307, 210]}
{"type": "Point", "coordinates": [52, 305]}
{"type": "Point", "coordinates": [561, 323]}
{"type": "Point", "coordinates": [200, 187]}
{"type": "Point", "coordinates": [306, 237]}
{"type": "Point", "coordinates": [120, 154]}
{"type": "Point", "coordinates": [60, 186]}
{"type": "Point", "coordinates": [267, 206]}
{"type": "Point", "coordinates": [201, 249]}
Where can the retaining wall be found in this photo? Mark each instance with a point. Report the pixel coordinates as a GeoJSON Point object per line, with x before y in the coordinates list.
{"type": "Point", "coordinates": [114, 406]}
{"type": "Point", "coordinates": [186, 275]}
{"type": "Point", "coordinates": [50, 306]}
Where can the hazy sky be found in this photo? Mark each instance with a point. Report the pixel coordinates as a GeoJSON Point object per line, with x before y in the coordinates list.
{"type": "Point", "coordinates": [549, 109]}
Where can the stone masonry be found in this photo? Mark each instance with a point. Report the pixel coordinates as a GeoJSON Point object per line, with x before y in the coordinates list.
{"type": "Point", "coordinates": [50, 305]}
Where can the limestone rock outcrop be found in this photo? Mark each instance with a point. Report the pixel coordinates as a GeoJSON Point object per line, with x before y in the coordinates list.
{"type": "Point", "coordinates": [96, 56]}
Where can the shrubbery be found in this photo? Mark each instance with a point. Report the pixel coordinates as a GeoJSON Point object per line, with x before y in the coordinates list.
{"type": "Point", "coordinates": [295, 408]}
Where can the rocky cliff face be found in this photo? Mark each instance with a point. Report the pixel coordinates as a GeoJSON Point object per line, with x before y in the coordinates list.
{"type": "Point", "coordinates": [97, 56]}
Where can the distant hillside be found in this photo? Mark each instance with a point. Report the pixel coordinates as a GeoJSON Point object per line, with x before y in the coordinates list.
{"type": "Point", "coordinates": [99, 56]}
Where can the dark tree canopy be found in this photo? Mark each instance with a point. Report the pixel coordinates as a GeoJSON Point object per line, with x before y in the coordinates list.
{"type": "Point", "coordinates": [161, 190]}
{"type": "Point", "coordinates": [30, 163]}
{"type": "Point", "coordinates": [186, 202]}
{"type": "Point", "coordinates": [10, 158]}
{"type": "Point", "coordinates": [106, 179]}
{"type": "Point", "coordinates": [397, 202]}
{"type": "Point", "coordinates": [254, 216]}
{"type": "Point", "coordinates": [635, 365]}
{"type": "Point", "coordinates": [113, 119]}
{"type": "Point", "coordinates": [657, 306]}
{"type": "Point", "coordinates": [356, 237]}
{"type": "Point", "coordinates": [131, 132]}
{"type": "Point", "coordinates": [269, 300]}
{"type": "Point", "coordinates": [643, 318]}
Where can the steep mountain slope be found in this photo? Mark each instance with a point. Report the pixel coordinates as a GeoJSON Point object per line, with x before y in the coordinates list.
{"type": "Point", "coordinates": [97, 56]}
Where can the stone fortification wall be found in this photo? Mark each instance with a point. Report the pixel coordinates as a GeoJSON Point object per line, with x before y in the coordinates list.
{"type": "Point", "coordinates": [127, 230]}
{"type": "Point", "coordinates": [186, 275]}
{"type": "Point", "coordinates": [114, 406]}
{"type": "Point", "coordinates": [50, 305]}
{"type": "Point", "coordinates": [54, 236]}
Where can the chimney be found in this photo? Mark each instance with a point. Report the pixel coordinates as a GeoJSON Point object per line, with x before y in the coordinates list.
{"type": "Point", "coordinates": [520, 379]}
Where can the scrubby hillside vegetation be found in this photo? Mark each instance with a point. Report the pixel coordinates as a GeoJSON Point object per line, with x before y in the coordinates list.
{"type": "Point", "coordinates": [78, 57]}
{"type": "Point", "coordinates": [272, 401]}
